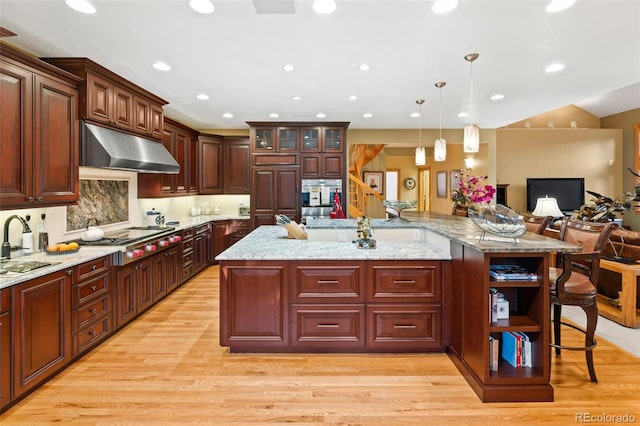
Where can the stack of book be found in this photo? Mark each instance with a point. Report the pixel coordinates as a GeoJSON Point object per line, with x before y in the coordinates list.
{"type": "Point", "coordinates": [516, 348]}
{"type": "Point", "coordinates": [511, 273]}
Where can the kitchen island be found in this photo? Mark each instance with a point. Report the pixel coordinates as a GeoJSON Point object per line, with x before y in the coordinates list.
{"type": "Point", "coordinates": [425, 288]}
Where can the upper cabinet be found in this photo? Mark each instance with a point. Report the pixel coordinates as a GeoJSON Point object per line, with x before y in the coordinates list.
{"type": "Point", "coordinates": [109, 99]}
{"type": "Point", "coordinates": [182, 142]}
{"type": "Point", "coordinates": [237, 165]}
{"type": "Point", "coordinates": [323, 139]}
{"type": "Point", "coordinates": [39, 141]}
{"type": "Point", "coordinates": [211, 164]}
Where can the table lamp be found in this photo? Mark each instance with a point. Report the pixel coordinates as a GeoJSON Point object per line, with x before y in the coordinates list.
{"type": "Point", "coordinates": [547, 207]}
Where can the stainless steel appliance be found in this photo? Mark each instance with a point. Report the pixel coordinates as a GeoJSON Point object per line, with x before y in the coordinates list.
{"type": "Point", "coordinates": [136, 243]}
{"type": "Point", "coordinates": [317, 197]}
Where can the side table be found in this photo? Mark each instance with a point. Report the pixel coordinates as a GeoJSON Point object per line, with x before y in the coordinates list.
{"type": "Point", "coordinates": [628, 314]}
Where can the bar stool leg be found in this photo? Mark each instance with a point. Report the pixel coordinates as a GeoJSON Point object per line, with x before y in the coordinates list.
{"type": "Point", "coordinates": [591, 311]}
{"type": "Point", "coordinates": [557, 317]}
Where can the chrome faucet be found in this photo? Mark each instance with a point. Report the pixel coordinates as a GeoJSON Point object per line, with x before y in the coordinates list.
{"type": "Point", "coordinates": [6, 247]}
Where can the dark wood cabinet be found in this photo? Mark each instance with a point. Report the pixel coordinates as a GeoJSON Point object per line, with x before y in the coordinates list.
{"type": "Point", "coordinates": [211, 164]}
{"type": "Point", "coordinates": [472, 325]}
{"type": "Point", "coordinates": [236, 164]}
{"type": "Point", "coordinates": [5, 347]}
{"type": "Point", "coordinates": [92, 304]}
{"type": "Point", "coordinates": [107, 98]}
{"type": "Point", "coordinates": [42, 341]}
{"type": "Point", "coordinates": [134, 290]}
{"type": "Point", "coordinates": [39, 138]}
{"type": "Point", "coordinates": [202, 247]}
{"type": "Point", "coordinates": [254, 307]}
{"type": "Point", "coordinates": [182, 143]}
{"type": "Point", "coordinates": [313, 150]}
{"type": "Point", "coordinates": [275, 190]}
{"type": "Point", "coordinates": [346, 306]}
{"type": "Point", "coordinates": [165, 272]}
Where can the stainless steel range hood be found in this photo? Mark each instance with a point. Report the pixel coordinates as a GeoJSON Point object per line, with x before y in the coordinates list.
{"type": "Point", "coordinates": [110, 149]}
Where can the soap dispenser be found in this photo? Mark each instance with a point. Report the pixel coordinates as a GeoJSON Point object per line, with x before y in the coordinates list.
{"type": "Point", "coordinates": [27, 237]}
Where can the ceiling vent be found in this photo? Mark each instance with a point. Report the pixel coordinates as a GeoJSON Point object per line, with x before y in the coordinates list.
{"type": "Point", "coordinates": [264, 7]}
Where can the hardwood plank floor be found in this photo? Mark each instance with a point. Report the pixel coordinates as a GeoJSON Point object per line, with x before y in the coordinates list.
{"type": "Point", "coordinates": [168, 368]}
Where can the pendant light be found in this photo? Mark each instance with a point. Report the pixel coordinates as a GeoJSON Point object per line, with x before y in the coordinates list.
{"type": "Point", "coordinates": [421, 156]}
{"type": "Point", "coordinates": [440, 145]}
{"type": "Point", "coordinates": [472, 131]}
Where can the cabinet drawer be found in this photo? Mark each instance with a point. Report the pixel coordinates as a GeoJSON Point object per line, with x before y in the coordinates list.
{"type": "Point", "coordinates": [333, 283]}
{"type": "Point", "coordinates": [188, 233]}
{"type": "Point", "coordinates": [88, 313]}
{"type": "Point", "coordinates": [92, 334]}
{"type": "Point", "coordinates": [202, 229]}
{"type": "Point", "coordinates": [187, 246]}
{"type": "Point", "coordinates": [89, 289]}
{"type": "Point", "coordinates": [275, 159]}
{"type": "Point", "coordinates": [187, 272]}
{"type": "Point", "coordinates": [410, 283]}
{"type": "Point", "coordinates": [316, 325]}
{"type": "Point", "coordinates": [407, 326]}
{"type": "Point", "coordinates": [90, 269]}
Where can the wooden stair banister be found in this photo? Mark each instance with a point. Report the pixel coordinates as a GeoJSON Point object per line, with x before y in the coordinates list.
{"type": "Point", "coordinates": [358, 202]}
{"type": "Point", "coordinates": [360, 155]}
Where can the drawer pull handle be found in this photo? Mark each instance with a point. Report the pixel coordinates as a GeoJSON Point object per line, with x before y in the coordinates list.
{"type": "Point", "coordinates": [93, 267]}
{"type": "Point", "coordinates": [93, 310]}
{"type": "Point", "coordinates": [91, 333]}
{"type": "Point", "coordinates": [404, 282]}
{"type": "Point", "coordinates": [404, 326]}
{"type": "Point", "coordinates": [328, 282]}
{"type": "Point", "coordinates": [328, 326]}
{"type": "Point", "coordinates": [94, 288]}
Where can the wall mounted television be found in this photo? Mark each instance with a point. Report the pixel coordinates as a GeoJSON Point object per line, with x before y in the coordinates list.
{"type": "Point", "coordinates": [569, 192]}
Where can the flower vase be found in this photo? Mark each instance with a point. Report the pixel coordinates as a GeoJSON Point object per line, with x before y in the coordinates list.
{"type": "Point", "coordinates": [460, 209]}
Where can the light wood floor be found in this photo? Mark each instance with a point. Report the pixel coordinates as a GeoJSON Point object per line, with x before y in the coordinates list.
{"type": "Point", "coordinates": [167, 368]}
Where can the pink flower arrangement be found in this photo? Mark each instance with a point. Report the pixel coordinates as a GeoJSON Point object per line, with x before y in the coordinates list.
{"type": "Point", "coordinates": [472, 189]}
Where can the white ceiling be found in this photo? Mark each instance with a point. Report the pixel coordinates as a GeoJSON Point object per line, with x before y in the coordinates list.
{"type": "Point", "coordinates": [236, 55]}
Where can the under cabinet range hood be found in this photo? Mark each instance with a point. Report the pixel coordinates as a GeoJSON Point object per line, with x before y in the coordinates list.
{"type": "Point", "coordinates": [110, 149]}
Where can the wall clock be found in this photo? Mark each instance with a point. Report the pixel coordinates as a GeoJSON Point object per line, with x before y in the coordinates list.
{"type": "Point", "coordinates": [409, 183]}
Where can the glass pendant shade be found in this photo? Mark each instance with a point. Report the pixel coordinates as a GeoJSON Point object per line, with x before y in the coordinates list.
{"type": "Point", "coordinates": [421, 156]}
{"type": "Point", "coordinates": [471, 138]}
{"type": "Point", "coordinates": [440, 150]}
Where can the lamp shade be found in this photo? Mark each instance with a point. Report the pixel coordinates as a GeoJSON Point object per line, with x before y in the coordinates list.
{"type": "Point", "coordinates": [440, 150]}
{"type": "Point", "coordinates": [547, 207]}
{"type": "Point", "coordinates": [421, 156]}
{"type": "Point", "coordinates": [471, 138]}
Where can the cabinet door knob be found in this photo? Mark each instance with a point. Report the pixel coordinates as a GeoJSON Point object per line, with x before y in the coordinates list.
{"type": "Point", "coordinates": [39, 198]}
{"type": "Point", "coordinates": [93, 310]}
{"type": "Point", "coordinates": [70, 272]}
{"type": "Point", "coordinates": [92, 333]}
{"type": "Point", "coordinates": [30, 199]}
{"type": "Point", "coordinates": [94, 267]}
{"type": "Point", "coordinates": [94, 288]}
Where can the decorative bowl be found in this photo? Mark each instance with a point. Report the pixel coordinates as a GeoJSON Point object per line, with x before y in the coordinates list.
{"type": "Point", "coordinates": [498, 220]}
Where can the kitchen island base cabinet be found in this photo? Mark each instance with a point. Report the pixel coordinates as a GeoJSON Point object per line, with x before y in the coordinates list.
{"type": "Point", "coordinates": [5, 347]}
{"type": "Point", "coordinates": [336, 306]}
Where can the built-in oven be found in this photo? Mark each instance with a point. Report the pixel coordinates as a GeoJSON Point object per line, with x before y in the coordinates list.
{"type": "Point", "coordinates": [318, 197]}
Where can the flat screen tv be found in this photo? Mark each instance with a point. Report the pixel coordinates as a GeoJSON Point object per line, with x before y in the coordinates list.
{"type": "Point", "coordinates": [569, 192]}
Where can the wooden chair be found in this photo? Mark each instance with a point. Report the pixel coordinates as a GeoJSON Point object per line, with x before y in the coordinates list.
{"type": "Point", "coordinates": [574, 281]}
{"type": "Point", "coordinates": [536, 224]}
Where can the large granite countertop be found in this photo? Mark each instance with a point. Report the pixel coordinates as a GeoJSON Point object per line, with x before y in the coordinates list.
{"type": "Point", "coordinates": [89, 253]}
{"type": "Point", "coordinates": [271, 242]}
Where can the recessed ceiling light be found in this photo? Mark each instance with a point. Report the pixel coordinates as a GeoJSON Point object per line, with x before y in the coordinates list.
{"type": "Point", "coordinates": [81, 6]}
{"type": "Point", "coordinates": [296, 98]}
{"type": "Point", "coordinates": [324, 7]}
{"type": "Point", "coordinates": [353, 98]}
{"type": "Point", "coordinates": [288, 67]}
{"type": "Point", "coordinates": [274, 115]}
{"type": "Point", "coordinates": [203, 96]}
{"type": "Point", "coordinates": [558, 5]}
{"type": "Point", "coordinates": [497, 97]}
{"type": "Point", "coordinates": [554, 67]}
{"type": "Point", "coordinates": [321, 115]}
{"type": "Point", "coordinates": [202, 6]}
{"type": "Point", "coordinates": [444, 6]}
{"type": "Point", "coordinates": [414, 115]}
{"type": "Point", "coordinates": [365, 67]}
{"type": "Point", "coordinates": [227, 115]}
{"type": "Point", "coordinates": [161, 66]}
{"type": "Point", "coordinates": [463, 114]}
{"type": "Point", "coordinates": [367, 115]}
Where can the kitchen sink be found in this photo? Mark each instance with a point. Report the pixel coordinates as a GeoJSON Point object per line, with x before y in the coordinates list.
{"type": "Point", "coordinates": [22, 266]}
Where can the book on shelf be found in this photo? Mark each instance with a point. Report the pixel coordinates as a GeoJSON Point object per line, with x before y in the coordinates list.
{"type": "Point", "coordinates": [493, 305]}
{"type": "Point", "coordinates": [511, 273]}
{"type": "Point", "coordinates": [516, 348]}
{"type": "Point", "coordinates": [494, 353]}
